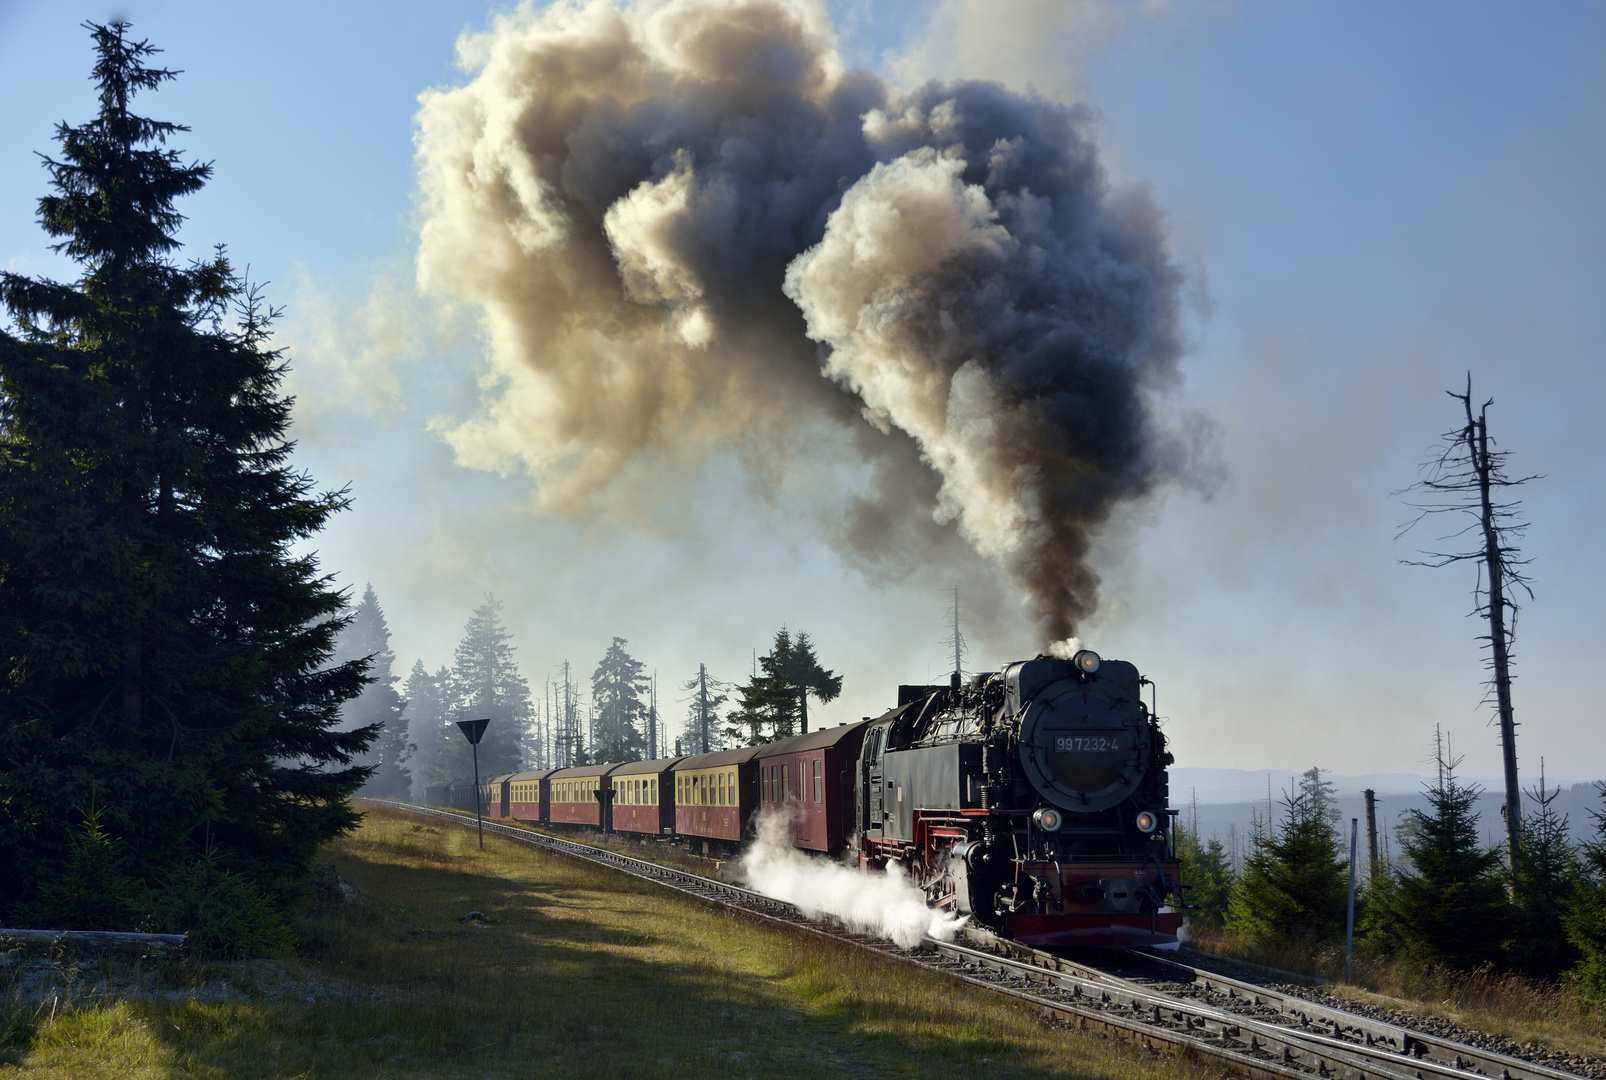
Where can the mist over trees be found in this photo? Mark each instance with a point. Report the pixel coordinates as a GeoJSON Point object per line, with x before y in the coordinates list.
{"type": "Point", "coordinates": [618, 713]}
{"type": "Point", "coordinates": [702, 733]}
{"type": "Point", "coordinates": [428, 711]}
{"type": "Point", "coordinates": [367, 637]}
{"type": "Point", "coordinates": [486, 682]}
{"type": "Point", "coordinates": [169, 724]}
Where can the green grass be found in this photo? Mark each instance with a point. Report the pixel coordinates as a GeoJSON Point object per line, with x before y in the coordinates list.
{"type": "Point", "coordinates": [581, 972]}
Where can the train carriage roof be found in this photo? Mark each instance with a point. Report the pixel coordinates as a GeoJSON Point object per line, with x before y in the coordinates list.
{"type": "Point", "coordinates": [652, 766]}
{"type": "Point", "coordinates": [582, 772]}
{"type": "Point", "coordinates": [538, 774]}
{"type": "Point", "coordinates": [497, 779]}
{"type": "Point", "coordinates": [739, 756]}
{"type": "Point", "coordinates": [822, 739]}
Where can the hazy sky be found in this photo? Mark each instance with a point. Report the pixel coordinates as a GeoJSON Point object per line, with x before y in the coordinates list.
{"type": "Point", "coordinates": [1371, 200]}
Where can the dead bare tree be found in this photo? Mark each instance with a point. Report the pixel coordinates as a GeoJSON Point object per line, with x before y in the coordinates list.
{"type": "Point", "coordinates": [1466, 478]}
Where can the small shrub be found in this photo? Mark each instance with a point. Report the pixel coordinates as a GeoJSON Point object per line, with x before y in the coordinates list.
{"type": "Point", "coordinates": [93, 891]}
{"type": "Point", "coordinates": [225, 914]}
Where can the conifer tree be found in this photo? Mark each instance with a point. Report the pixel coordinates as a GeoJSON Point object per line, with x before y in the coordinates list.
{"type": "Point", "coordinates": [774, 702]}
{"type": "Point", "coordinates": [165, 645]}
{"type": "Point", "coordinates": [793, 665]}
{"type": "Point", "coordinates": [1207, 875]}
{"type": "Point", "coordinates": [702, 733]}
{"type": "Point", "coordinates": [486, 683]}
{"type": "Point", "coordinates": [1445, 901]}
{"type": "Point", "coordinates": [1585, 917]}
{"type": "Point", "coordinates": [434, 751]}
{"type": "Point", "coordinates": [1547, 872]}
{"type": "Point", "coordinates": [1294, 886]}
{"type": "Point", "coordinates": [367, 637]}
{"type": "Point", "coordinates": [617, 708]}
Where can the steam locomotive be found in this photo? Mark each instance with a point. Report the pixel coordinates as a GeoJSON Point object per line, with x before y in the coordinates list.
{"type": "Point", "coordinates": [1032, 799]}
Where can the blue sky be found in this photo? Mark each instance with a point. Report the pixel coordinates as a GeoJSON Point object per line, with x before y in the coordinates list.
{"type": "Point", "coordinates": [1373, 199]}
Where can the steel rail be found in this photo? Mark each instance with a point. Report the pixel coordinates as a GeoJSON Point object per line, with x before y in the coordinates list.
{"type": "Point", "coordinates": [1416, 1043]}
{"type": "Point", "coordinates": [1237, 995]}
{"type": "Point", "coordinates": [1282, 1044]}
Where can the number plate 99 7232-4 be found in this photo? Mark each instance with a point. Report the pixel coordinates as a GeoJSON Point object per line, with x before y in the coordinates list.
{"type": "Point", "coordinates": [1085, 744]}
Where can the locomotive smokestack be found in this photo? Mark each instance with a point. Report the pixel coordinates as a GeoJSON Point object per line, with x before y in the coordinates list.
{"type": "Point", "coordinates": [677, 217]}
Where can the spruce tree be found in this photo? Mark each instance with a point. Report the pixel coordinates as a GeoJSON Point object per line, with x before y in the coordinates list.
{"type": "Point", "coordinates": [1207, 875]}
{"type": "Point", "coordinates": [486, 684]}
{"type": "Point", "coordinates": [1294, 885]}
{"type": "Point", "coordinates": [774, 702]}
{"type": "Point", "coordinates": [165, 645]}
{"type": "Point", "coordinates": [1445, 903]}
{"type": "Point", "coordinates": [617, 710]}
{"type": "Point", "coordinates": [434, 750]}
{"type": "Point", "coordinates": [1585, 917]}
{"type": "Point", "coordinates": [702, 734]}
{"type": "Point", "coordinates": [367, 637]}
{"type": "Point", "coordinates": [1546, 874]}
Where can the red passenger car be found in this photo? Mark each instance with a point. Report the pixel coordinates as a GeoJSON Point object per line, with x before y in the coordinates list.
{"type": "Point", "coordinates": [527, 795]}
{"type": "Point", "coordinates": [573, 795]}
{"type": "Point", "coordinates": [493, 796]}
{"type": "Point", "coordinates": [813, 777]}
{"type": "Point", "coordinates": [714, 796]}
{"type": "Point", "coordinates": [644, 797]}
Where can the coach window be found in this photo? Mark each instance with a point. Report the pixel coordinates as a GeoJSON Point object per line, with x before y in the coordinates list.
{"type": "Point", "coordinates": [786, 783]}
{"type": "Point", "coordinates": [819, 782]}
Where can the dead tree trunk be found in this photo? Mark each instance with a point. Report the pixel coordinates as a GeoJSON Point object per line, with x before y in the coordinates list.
{"type": "Point", "coordinates": [1477, 440]}
{"type": "Point", "coordinates": [1467, 477]}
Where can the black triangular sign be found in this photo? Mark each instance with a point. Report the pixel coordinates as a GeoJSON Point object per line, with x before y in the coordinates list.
{"type": "Point", "coordinates": [473, 729]}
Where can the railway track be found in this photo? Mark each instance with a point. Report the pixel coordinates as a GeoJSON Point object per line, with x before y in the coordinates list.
{"type": "Point", "coordinates": [1159, 1002]}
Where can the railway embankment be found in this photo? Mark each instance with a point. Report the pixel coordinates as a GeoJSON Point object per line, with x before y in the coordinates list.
{"type": "Point", "coordinates": [567, 969]}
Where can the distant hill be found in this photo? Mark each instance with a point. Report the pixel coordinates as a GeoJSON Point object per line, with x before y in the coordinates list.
{"type": "Point", "coordinates": [1229, 799]}
{"type": "Point", "coordinates": [1248, 785]}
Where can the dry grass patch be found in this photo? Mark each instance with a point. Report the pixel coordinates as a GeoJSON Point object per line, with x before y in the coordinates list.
{"type": "Point", "coordinates": [580, 972]}
{"type": "Point", "coordinates": [1525, 1010]}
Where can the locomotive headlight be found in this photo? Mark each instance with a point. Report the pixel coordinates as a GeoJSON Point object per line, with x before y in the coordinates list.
{"type": "Point", "coordinates": [1147, 821]}
{"type": "Point", "coordinates": [1086, 661]}
{"type": "Point", "coordinates": [1048, 819]}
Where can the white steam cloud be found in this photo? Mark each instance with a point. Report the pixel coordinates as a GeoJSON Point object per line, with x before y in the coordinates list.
{"type": "Point", "coordinates": [688, 229]}
{"type": "Point", "coordinates": [885, 904]}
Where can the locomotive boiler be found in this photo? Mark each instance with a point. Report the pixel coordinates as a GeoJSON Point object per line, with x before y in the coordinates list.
{"type": "Point", "coordinates": [1032, 799]}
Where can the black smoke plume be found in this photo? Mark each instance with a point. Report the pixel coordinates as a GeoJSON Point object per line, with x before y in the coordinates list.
{"type": "Point", "coordinates": [688, 229]}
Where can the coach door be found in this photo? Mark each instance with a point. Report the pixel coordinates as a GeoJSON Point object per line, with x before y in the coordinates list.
{"type": "Point", "coordinates": [874, 785]}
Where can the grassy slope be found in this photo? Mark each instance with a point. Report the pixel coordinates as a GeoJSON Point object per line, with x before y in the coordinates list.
{"type": "Point", "coordinates": [581, 972]}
